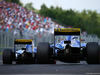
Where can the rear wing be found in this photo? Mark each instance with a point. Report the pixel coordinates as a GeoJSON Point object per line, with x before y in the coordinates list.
{"type": "Point", "coordinates": [67, 31]}
{"type": "Point", "coordinates": [23, 41]}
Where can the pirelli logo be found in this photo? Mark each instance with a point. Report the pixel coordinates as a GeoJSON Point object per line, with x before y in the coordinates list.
{"type": "Point", "coordinates": [67, 30]}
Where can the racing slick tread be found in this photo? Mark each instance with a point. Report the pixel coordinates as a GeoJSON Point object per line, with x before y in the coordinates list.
{"type": "Point", "coordinates": [43, 53]}
{"type": "Point", "coordinates": [7, 56]}
{"type": "Point", "coordinates": [92, 53]}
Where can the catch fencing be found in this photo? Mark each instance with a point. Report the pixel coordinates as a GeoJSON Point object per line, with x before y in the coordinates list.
{"type": "Point", "coordinates": [6, 40]}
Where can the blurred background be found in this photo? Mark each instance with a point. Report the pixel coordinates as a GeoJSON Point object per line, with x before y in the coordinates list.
{"type": "Point", "coordinates": [36, 19]}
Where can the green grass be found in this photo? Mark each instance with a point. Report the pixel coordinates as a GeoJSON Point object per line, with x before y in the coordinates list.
{"type": "Point", "coordinates": [0, 53]}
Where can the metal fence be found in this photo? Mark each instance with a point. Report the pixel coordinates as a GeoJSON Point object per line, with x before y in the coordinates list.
{"type": "Point", "coordinates": [90, 38]}
{"type": "Point", "coordinates": [7, 38]}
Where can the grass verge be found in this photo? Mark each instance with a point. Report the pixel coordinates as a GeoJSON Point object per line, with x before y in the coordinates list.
{"type": "Point", "coordinates": [0, 53]}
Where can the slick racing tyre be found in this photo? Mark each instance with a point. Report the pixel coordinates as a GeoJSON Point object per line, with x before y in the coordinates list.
{"type": "Point", "coordinates": [43, 53]}
{"type": "Point", "coordinates": [92, 49]}
{"type": "Point", "coordinates": [7, 56]}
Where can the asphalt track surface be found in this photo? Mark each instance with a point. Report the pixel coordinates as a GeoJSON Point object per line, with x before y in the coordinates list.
{"type": "Point", "coordinates": [60, 68]}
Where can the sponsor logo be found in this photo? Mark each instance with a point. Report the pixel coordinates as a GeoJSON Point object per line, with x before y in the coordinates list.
{"type": "Point", "coordinates": [67, 30]}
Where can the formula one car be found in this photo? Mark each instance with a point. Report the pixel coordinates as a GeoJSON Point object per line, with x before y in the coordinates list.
{"type": "Point", "coordinates": [23, 52]}
{"type": "Point", "coordinates": [70, 50]}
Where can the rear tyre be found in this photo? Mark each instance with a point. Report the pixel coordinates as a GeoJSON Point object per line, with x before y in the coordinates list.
{"type": "Point", "coordinates": [43, 53]}
{"type": "Point", "coordinates": [92, 50]}
{"type": "Point", "coordinates": [7, 56]}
